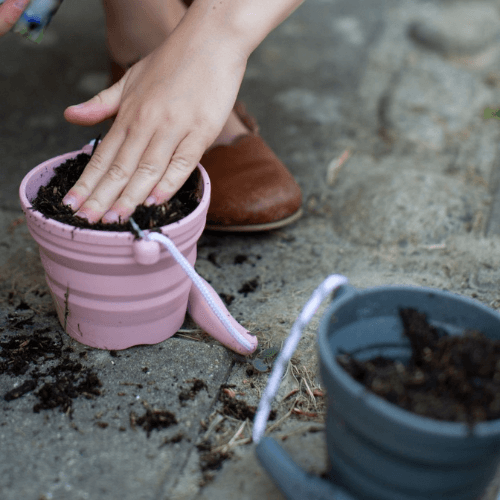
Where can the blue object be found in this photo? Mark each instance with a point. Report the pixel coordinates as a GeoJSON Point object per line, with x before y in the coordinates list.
{"type": "Point", "coordinates": [377, 450]}
{"type": "Point", "coordinates": [36, 18]}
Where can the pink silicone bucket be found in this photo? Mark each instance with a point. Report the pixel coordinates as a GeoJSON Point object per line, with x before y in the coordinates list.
{"type": "Point", "coordinates": [111, 291]}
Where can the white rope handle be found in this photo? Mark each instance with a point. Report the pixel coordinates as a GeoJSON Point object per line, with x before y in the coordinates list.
{"type": "Point", "coordinates": [324, 290]}
{"type": "Point", "coordinates": [197, 281]}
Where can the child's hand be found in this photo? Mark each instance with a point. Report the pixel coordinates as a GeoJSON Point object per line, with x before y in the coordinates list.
{"type": "Point", "coordinates": [10, 12]}
{"type": "Point", "coordinates": [170, 107]}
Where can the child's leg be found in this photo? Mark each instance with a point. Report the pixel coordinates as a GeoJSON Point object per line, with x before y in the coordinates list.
{"type": "Point", "coordinates": [136, 28]}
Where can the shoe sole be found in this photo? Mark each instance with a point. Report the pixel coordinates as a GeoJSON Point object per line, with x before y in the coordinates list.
{"type": "Point", "coordinates": [252, 228]}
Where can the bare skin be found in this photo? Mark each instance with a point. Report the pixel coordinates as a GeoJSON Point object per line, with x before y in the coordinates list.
{"type": "Point", "coordinates": [172, 105]}
{"type": "Point", "coordinates": [135, 29]}
{"type": "Point", "coordinates": [10, 12]}
{"type": "Point", "coordinates": [164, 119]}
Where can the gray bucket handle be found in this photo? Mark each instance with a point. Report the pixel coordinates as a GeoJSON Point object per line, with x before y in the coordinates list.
{"type": "Point", "coordinates": [344, 292]}
{"type": "Point", "coordinates": [288, 476]}
{"type": "Point", "coordinates": [293, 482]}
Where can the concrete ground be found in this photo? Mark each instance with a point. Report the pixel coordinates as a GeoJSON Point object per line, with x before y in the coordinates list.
{"type": "Point", "coordinates": [417, 202]}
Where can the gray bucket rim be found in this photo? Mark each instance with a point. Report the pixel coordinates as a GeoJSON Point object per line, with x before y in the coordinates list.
{"type": "Point", "coordinates": [379, 405]}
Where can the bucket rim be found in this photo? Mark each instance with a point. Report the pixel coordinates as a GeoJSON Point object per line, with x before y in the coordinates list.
{"type": "Point", "coordinates": [377, 404]}
{"type": "Point", "coordinates": [80, 234]}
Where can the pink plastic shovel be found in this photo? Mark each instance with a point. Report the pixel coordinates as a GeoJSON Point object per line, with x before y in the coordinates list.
{"type": "Point", "coordinates": [113, 291]}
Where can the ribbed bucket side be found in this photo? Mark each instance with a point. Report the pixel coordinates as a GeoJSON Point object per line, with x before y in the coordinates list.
{"type": "Point", "coordinates": [118, 310]}
{"type": "Point", "coordinates": [371, 472]}
{"type": "Point", "coordinates": [103, 297]}
{"type": "Point", "coordinates": [379, 451]}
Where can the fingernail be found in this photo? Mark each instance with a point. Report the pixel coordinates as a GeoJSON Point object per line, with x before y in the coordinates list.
{"type": "Point", "coordinates": [77, 106]}
{"type": "Point", "coordinates": [82, 215]}
{"type": "Point", "coordinates": [150, 200]}
{"type": "Point", "coordinates": [69, 201]}
{"type": "Point", "coordinates": [111, 217]}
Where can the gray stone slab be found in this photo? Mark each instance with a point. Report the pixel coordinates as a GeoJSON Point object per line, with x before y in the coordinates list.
{"type": "Point", "coordinates": [97, 453]}
{"type": "Point", "coordinates": [307, 449]}
{"type": "Point", "coordinates": [336, 75]}
{"type": "Point", "coordinates": [457, 27]}
{"type": "Point", "coordinates": [432, 97]}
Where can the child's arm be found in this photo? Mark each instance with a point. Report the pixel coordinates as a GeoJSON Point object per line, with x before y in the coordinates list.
{"type": "Point", "coordinates": [170, 107]}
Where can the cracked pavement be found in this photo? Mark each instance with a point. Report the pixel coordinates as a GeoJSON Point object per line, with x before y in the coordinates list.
{"type": "Point", "coordinates": [417, 202]}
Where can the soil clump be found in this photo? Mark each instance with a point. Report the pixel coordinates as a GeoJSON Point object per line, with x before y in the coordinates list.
{"type": "Point", "coordinates": [49, 201]}
{"type": "Point", "coordinates": [153, 419]}
{"type": "Point", "coordinates": [453, 378]}
{"type": "Point", "coordinates": [196, 387]}
{"type": "Point", "coordinates": [249, 286]}
{"type": "Point", "coordinates": [238, 408]}
{"type": "Point", "coordinates": [64, 380]}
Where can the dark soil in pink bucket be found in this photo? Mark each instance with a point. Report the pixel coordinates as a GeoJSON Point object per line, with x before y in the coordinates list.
{"type": "Point", "coordinates": [449, 377]}
{"type": "Point", "coordinates": [49, 201]}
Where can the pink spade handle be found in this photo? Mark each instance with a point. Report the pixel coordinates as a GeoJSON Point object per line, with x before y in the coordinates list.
{"type": "Point", "coordinates": [205, 317]}
{"type": "Point", "coordinates": [204, 305]}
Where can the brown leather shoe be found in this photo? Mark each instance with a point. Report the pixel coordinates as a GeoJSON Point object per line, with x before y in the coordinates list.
{"type": "Point", "coordinates": [251, 188]}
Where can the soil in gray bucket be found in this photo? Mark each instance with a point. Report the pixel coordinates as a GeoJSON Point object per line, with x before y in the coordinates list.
{"type": "Point", "coordinates": [449, 377]}
{"type": "Point", "coordinates": [49, 200]}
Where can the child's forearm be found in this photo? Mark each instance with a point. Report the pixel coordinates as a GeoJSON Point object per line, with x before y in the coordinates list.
{"type": "Point", "coordinates": [245, 23]}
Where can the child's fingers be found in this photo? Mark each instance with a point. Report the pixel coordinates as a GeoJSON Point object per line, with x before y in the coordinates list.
{"type": "Point", "coordinates": [10, 12]}
{"type": "Point", "coordinates": [101, 107]}
{"type": "Point", "coordinates": [183, 162]}
{"type": "Point", "coordinates": [113, 176]}
{"type": "Point", "coordinates": [151, 167]}
{"type": "Point", "coordinates": [94, 172]}
{"type": "Point", "coordinates": [152, 172]}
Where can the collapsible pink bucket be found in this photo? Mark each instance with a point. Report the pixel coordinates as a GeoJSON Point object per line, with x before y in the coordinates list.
{"type": "Point", "coordinates": [111, 290]}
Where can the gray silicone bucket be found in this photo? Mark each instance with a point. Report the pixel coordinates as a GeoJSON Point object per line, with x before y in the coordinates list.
{"type": "Point", "coordinates": [376, 450]}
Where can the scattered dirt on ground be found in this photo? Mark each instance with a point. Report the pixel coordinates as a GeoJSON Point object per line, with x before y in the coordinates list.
{"type": "Point", "coordinates": [177, 438]}
{"type": "Point", "coordinates": [71, 380]}
{"type": "Point", "coordinates": [240, 258]}
{"type": "Point", "coordinates": [196, 387]}
{"type": "Point", "coordinates": [210, 461]}
{"type": "Point", "coordinates": [153, 419]}
{"type": "Point", "coordinates": [238, 408]}
{"type": "Point", "coordinates": [62, 381]}
{"type": "Point", "coordinates": [21, 352]}
{"type": "Point", "coordinates": [24, 388]}
{"type": "Point", "coordinates": [213, 460]}
{"type": "Point", "coordinates": [449, 377]}
{"type": "Point", "coordinates": [49, 201]}
{"type": "Point", "coordinates": [226, 298]}
{"type": "Point", "coordinates": [212, 257]}
{"type": "Point", "coordinates": [249, 286]}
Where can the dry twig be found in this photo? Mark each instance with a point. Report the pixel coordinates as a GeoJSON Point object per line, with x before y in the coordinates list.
{"type": "Point", "coordinates": [334, 167]}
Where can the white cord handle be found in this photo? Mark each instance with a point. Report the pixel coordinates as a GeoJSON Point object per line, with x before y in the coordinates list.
{"type": "Point", "coordinates": [197, 281]}
{"type": "Point", "coordinates": [324, 290]}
